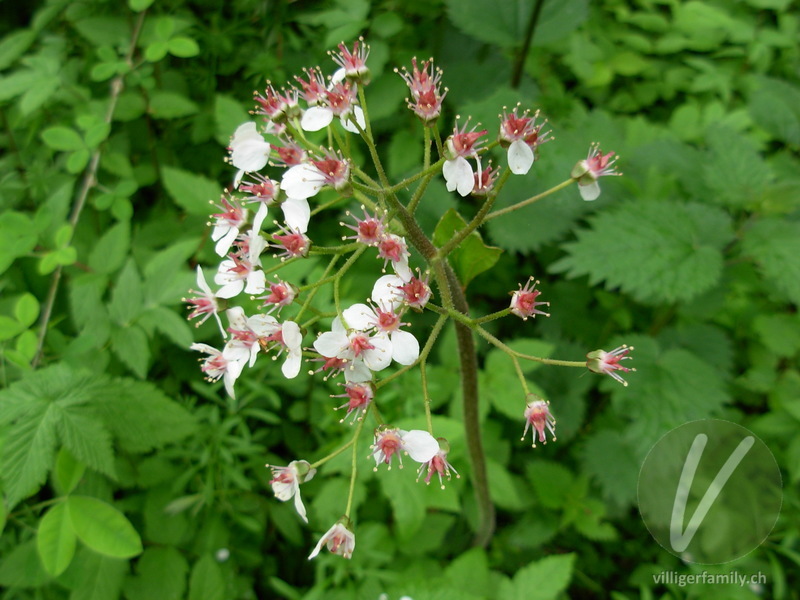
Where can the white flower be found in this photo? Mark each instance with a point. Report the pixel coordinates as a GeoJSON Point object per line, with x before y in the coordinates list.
{"type": "Point", "coordinates": [319, 117]}
{"type": "Point", "coordinates": [226, 227]}
{"type": "Point", "coordinates": [404, 346]}
{"type": "Point", "coordinates": [459, 175]}
{"type": "Point", "coordinates": [420, 445]}
{"type": "Point", "coordinates": [236, 275]}
{"type": "Point", "coordinates": [254, 333]}
{"type": "Point", "coordinates": [339, 539]}
{"type": "Point", "coordinates": [520, 157]}
{"type": "Point", "coordinates": [386, 291]}
{"type": "Point", "coordinates": [226, 364]}
{"type": "Point", "coordinates": [375, 352]}
{"type": "Point", "coordinates": [205, 304]}
{"type": "Point", "coordinates": [286, 483]}
{"type": "Point", "coordinates": [249, 150]}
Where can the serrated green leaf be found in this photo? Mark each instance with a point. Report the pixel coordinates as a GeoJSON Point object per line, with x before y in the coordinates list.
{"type": "Point", "coordinates": [130, 345]}
{"type": "Point", "coordinates": [657, 251]}
{"type": "Point", "coordinates": [171, 105]}
{"type": "Point", "coordinates": [87, 439]}
{"type": "Point", "coordinates": [17, 237]}
{"type": "Point", "coordinates": [62, 138]}
{"type": "Point", "coordinates": [183, 47]}
{"type": "Point", "coordinates": [26, 310]}
{"type": "Point", "coordinates": [470, 572]}
{"type": "Point", "coordinates": [111, 250]}
{"type": "Point", "coordinates": [166, 277]}
{"type": "Point", "coordinates": [192, 192]}
{"type": "Point", "coordinates": [406, 498]}
{"type": "Point", "coordinates": [206, 582]}
{"type": "Point", "coordinates": [55, 540]}
{"type": "Point", "coordinates": [734, 171]}
{"type": "Point", "coordinates": [140, 416]}
{"type": "Point", "coordinates": [780, 333]}
{"type": "Point", "coordinates": [542, 580]}
{"type": "Point", "coordinates": [170, 324]}
{"type": "Point", "coordinates": [775, 106]}
{"type": "Point", "coordinates": [508, 491]}
{"type": "Point", "coordinates": [103, 528]}
{"type": "Point", "coordinates": [551, 481]}
{"type": "Point", "coordinates": [610, 460]}
{"type": "Point", "coordinates": [67, 472]}
{"type": "Point", "coordinates": [774, 245]}
{"type": "Point", "coordinates": [127, 297]}
{"type": "Point", "coordinates": [161, 575]}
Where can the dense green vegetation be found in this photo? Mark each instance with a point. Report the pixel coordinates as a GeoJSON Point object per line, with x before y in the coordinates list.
{"type": "Point", "coordinates": [125, 475]}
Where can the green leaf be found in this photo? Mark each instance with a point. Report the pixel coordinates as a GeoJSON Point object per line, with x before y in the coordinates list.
{"type": "Point", "coordinates": [126, 299]}
{"type": "Point", "coordinates": [26, 309]}
{"type": "Point", "coordinates": [139, 5]}
{"type": "Point", "coordinates": [470, 572]}
{"type": "Point", "coordinates": [78, 160]}
{"type": "Point", "coordinates": [207, 581]}
{"type": "Point", "coordinates": [86, 437]}
{"type": "Point", "coordinates": [472, 257]}
{"type": "Point", "coordinates": [171, 105]}
{"type": "Point", "coordinates": [130, 344]}
{"type": "Point", "coordinates": [56, 540]}
{"type": "Point", "coordinates": [63, 138]}
{"type": "Point", "coordinates": [183, 47]}
{"type": "Point", "coordinates": [103, 528]}
{"type": "Point", "coordinates": [170, 324]}
{"type": "Point", "coordinates": [194, 193]}
{"type": "Point", "coordinates": [774, 245]}
{"type": "Point", "coordinates": [542, 580]}
{"type": "Point", "coordinates": [609, 459]}
{"type": "Point", "coordinates": [14, 45]}
{"type": "Point", "coordinates": [156, 51]}
{"type": "Point", "coordinates": [96, 577]}
{"type": "Point", "coordinates": [406, 497]}
{"type": "Point", "coordinates": [655, 251]}
{"type": "Point", "coordinates": [228, 115]}
{"type": "Point", "coordinates": [735, 171]}
{"type": "Point", "coordinates": [775, 106]}
{"type": "Point", "coordinates": [111, 250]}
{"type": "Point", "coordinates": [17, 237]}
{"type": "Point", "coordinates": [9, 328]}
{"type": "Point", "coordinates": [507, 491]}
{"type": "Point", "coordinates": [166, 278]}
{"type": "Point", "coordinates": [551, 481]}
{"type": "Point", "coordinates": [105, 30]}
{"type": "Point", "coordinates": [68, 472]}
{"type": "Point", "coordinates": [779, 333]}
{"type": "Point", "coordinates": [96, 134]}
{"type": "Point", "coordinates": [141, 417]}
{"type": "Point", "coordinates": [21, 567]}
{"type": "Point", "coordinates": [161, 575]}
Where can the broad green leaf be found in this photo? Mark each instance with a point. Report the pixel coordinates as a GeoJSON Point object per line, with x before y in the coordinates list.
{"type": "Point", "coordinates": [130, 344]}
{"type": "Point", "coordinates": [207, 581]}
{"type": "Point", "coordinates": [508, 491]}
{"type": "Point", "coordinates": [156, 51]}
{"type": "Point", "coordinates": [56, 540]}
{"type": "Point", "coordinates": [139, 5]}
{"type": "Point", "coordinates": [470, 572]}
{"type": "Point", "coordinates": [655, 251]}
{"type": "Point", "coordinates": [105, 30]}
{"type": "Point", "coordinates": [127, 297]}
{"type": "Point", "coordinates": [609, 459]}
{"type": "Point", "coordinates": [734, 169]}
{"type": "Point", "coordinates": [780, 333]}
{"type": "Point", "coordinates": [78, 160]}
{"type": "Point", "coordinates": [21, 567]}
{"type": "Point", "coordinates": [166, 278]}
{"type": "Point", "coordinates": [545, 579]}
{"type": "Point", "coordinates": [63, 138]}
{"type": "Point", "coordinates": [9, 328]}
{"type": "Point", "coordinates": [86, 437]}
{"type": "Point", "coordinates": [96, 577]}
{"type": "Point", "coordinates": [96, 134]}
{"type": "Point", "coordinates": [406, 498]}
{"type": "Point", "coordinates": [551, 481]}
{"type": "Point", "coordinates": [228, 115]}
{"type": "Point", "coordinates": [775, 106]}
{"type": "Point", "coordinates": [27, 344]}
{"type": "Point", "coordinates": [171, 105]}
{"type": "Point", "coordinates": [472, 257]}
{"type": "Point", "coordinates": [170, 324]}
{"type": "Point", "coordinates": [103, 528]}
{"type": "Point", "coordinates": [17, 237]}
{"type": "Point", "coordinates": [67, 472]}
{"type": "Point", "coordinates": [183, 47]}
{"type": "Point", "coordinates": [26, 309]}
{"type": "Point", "coordinates": [161, 575]}
{"type": "Point", "coordinates": [194, 193]}
{"type": "Point", "coordinates": [774, 245]}
{"type": "Point", "coordinates": [111, 250]}
{"type": "Point", "coordinates": [14, 45]}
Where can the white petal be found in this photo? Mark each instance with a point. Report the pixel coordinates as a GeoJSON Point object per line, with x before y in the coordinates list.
{"type": "Point", "coordinates": [520, 157]}
{"type": "Point", "coordinates": [402, 269]}
{"type": "Point", "coordinates": [338, 76]}
{"type": "Point", "coordinates": [201, 282]}
{"type": "Point", "coordinates": [385, 292]}
{"type": "Point", "coordinates": [466, 180]}
{"type": "Point", "coordinates": [256, 282]}
{"type": "Point", "coordinates": [378, 358]}
{"type": "Point", "coordinates": [204, 348]}
{"type": "Point", "coordinates": [322, 541]}
{"type": "Point", "coordinates": [291, 366]}
{"type": "Point", "coordinates": [261, 214]}
{"type": "Point", "coordinates": [405, 347]}
{"type": "Point", "coordinates": [251, 154]}
{"type": "Point", "coordinates": [358, 113]}
{"type": "Point", "coordinates": [236, 318]}
{"type": "Point", "coordinates": [449, 171]}
{"type": "Point", "coordinates": [225, 242]}
{"type": "Point", "coordinates": [357, 372]}
{"type": "Point", "coordinates": [590, 191]}
{"type": "Point", "coordinates": [292, 336]}
{"type": "Point", "coordinates": [298, 504]}
{"type": "Point", "coordinates": [331, 344]}
{"type": "Point", "coordinates": [231, 289]}
{"type": "Point", "coordinates": [359, 316]}
{"type": "Point", "coordinates": [316, 118]}
{"type": "Point", "coordinates": [337, 327]}
{"type": "Point", "coordinates": [301, 181]}
{"type": "Point", "coordinates": [244, 132]}
{"type": "Point", "coordinates": [296, 213]}
{"type": "Point", "coordinates": [420, 445]}
{"type": "Point", "coordinates": [263, 325]}
{"type": "Point", "coordinates": [459, 175]}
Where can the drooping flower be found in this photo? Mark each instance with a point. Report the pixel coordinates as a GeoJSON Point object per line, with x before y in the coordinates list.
{"type": "Point", "coordinates": [205, 304]}
{"type": "Point", "coordinates": [456, 170]}
{"type": "Point", "coordinates": [607, 363]}
{"type": "Point", "coordinates": [226, 364]}
{"type": "Point", "coordinates": [588, 171]}
{"type": "Point", "coordinates": [521, 135]}
{"type": "Point", "coordinates": [286, 483]}
{"type": "Point", "coordinates": [538, 416]}
{"type": "Point", "coordinates": [389, 442]}
{"type": "Point", "coordinates": [394, 248]}
{"type": "Point", "coordinates": [484, 180]}
{"type": "Point", "coordinates": [313, 90]}
{"type": "Point", "coordinates": [339, 539]}
{"type": "Point", "coordinates": [359, 396]}
{"type": "Point", "coordinates": [438, 465]}
{"type": "Point", "coordinates": [523, 301]}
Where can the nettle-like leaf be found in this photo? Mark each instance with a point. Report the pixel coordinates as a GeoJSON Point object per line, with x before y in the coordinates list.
{"type": "Point", "coordinates": [657, 251]}
{"type": "Point", "coordinates": [608, 458]}
{"type": "Point", "coordinates": [542, 580]}
{"type": "Point", "coordinates": [775, 247]}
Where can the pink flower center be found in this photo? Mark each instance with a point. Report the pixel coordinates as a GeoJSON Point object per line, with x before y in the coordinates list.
{"type": "Point", "coordinates": [389, 443]}
{"type": "Point", "coordinates": [360, 343]}
{"type": "Point", "coordinates": [293, 243]}
{"type": "Point", "coordinates": [391, 249]}
{"type": "Point", "coordinates": [387, 320]}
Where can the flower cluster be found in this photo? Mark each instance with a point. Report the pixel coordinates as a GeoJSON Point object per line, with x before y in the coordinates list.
{"type": "Point", "coordinates": [358, 342]}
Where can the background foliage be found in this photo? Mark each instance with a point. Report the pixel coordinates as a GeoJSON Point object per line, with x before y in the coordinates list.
{"type": "Point", "coordinates": [125, 475]}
